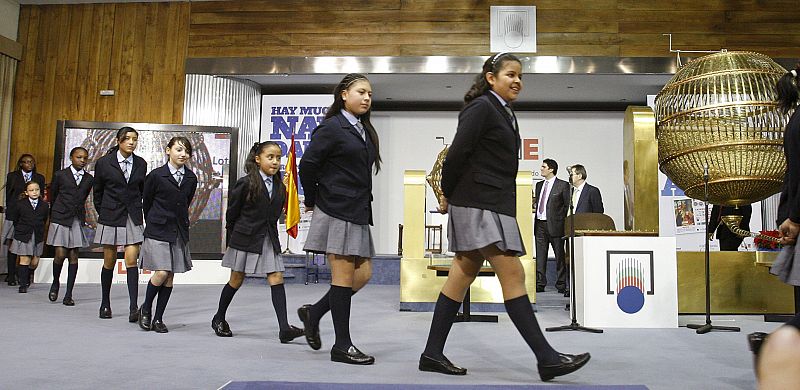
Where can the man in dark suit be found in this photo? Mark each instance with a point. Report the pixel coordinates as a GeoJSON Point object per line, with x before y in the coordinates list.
{"type": "Point", "coordinates": [586, 198]}
{"type": "Point", "coordinates": [728, 241]}
{"type": "Point", "coordinates": [550, 202]}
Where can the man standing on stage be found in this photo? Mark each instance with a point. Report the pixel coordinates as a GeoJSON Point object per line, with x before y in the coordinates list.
{"type": "Point", "coordinates": [586, 198]}
{"type": "Point", "coordinates": [551, 201]}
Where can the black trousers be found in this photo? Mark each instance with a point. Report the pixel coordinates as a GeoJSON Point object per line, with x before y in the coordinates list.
{"type": "Point", "coordinates": [729, 242]}
{"type": "Point", "coordinates": [543, 241]}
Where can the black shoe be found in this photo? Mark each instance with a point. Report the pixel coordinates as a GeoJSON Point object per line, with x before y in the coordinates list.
{"type": "Point", "coordinates": [53, 295]}
{"type": "Point", "coordinates": [12, 282]}
{"type": "Point", "coordinates": [133, 316]}
{"type": "Point", "coordinates": [311, 330]}
{"type": "Point", "coordinates": [539, 289]}
{"type": "Point", "coordinates": [288, 335]}
{"type": "Point", "coordinates": [68, 301]}
{"type": "Point", "coordinates": [144, 319]}
{"type": "Point", "coordinates": [23, 289]}
{"type": "Point", "coordinates": [159, 327]}
{"type": "Point", "coordinates": [351, 356]}
{"type": "Point", "coordinates": [561, 290]}
{"type": "Point", "coordinates": [568, 363]}
{"type": "Point", "coordinates": [221, 327]}
{"type": "Point", "coordinates": [427, 363]}
{"type": "Point", "coordinates": [566, 293]}
{"type": "Point", "coordinates": [105, 312]}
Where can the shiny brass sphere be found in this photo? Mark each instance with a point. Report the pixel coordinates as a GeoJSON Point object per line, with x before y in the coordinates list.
{"type": "Point", "coordinates": [720, 111]}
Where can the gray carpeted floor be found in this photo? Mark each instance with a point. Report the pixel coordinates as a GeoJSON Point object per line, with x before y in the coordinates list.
{"type": "Point", "coordinates": [48, 345]}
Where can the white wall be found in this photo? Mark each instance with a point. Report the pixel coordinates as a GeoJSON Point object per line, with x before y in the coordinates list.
{"type": "Point", "coordinates": [408, 141]}
{"type": "Point", "coordinates": [9, 19]}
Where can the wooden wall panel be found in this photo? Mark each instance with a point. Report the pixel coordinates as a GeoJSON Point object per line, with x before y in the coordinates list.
{"type": "Point", "coordinates": [460, 27]}
{"type": "Point", "coordinates": [71, 52]}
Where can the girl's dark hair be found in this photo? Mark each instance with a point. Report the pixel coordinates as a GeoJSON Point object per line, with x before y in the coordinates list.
{"type": "Point", "coordinates": [338, 106]}
{"type": "Point", "coordinates": [493, 64]}
{"type": "Point", "coordinates": [19, 161]}
{"type": "Point", "coordinates": [121, 136]}
{"type": "Point", "coordinates": [183, 141]}
{"type": "Point", "coordinates": [787, 90]}
{"type": "Point", "coordinates": [22, 194]}
{"type": "Point", "coordinates": [252, 170]}
{"type": "Point", "coordinates": [76, 149]}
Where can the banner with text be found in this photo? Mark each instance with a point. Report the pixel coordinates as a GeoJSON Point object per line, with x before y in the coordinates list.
{"type": "Point", "coordinates": [282, 116]}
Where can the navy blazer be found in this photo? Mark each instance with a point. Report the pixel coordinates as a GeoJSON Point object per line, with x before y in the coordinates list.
{"type": "Point", "coordinates": [248, 223]}
{"type": "Point", "coordinates": [114, 199]}
{"type": "Point", "coordinates": [480, 169]}
{"type": "Point", "coordinates": [30, 221]}
{"type": "Point", "coordinates": [336, 171]}
{"type": "Point", "coordinates": [68, 197]}
{"type": "Point", "coordinates": [789, 206]}
{"type": "Point", "coordinates": [15, 185]}
{"type": "Point", "coordinates": [557, 205]}
{"type": "Point", "coordinates": [166, 204]}
{"type": "Point", "coordinates": [590, 201]}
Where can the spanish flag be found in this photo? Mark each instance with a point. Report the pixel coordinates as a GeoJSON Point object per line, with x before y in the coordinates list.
{"type": "Point", "coordinates": [292, 198]}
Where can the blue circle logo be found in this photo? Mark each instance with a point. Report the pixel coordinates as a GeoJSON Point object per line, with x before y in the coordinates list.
{"type": "Point", "coordinates": [630, 299]}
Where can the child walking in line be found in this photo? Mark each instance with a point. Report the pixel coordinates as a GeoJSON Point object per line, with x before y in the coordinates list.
{"type": "Point", "coordinates": [254, 206]}
{"type": "Point", "coordinates": [29, 232]}
{"type": "Point", "coordinates": [168, 192]}
{"type": "Point", "coordinates": [69, 189]}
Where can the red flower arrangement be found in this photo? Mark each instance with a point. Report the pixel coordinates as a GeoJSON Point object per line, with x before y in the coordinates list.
{"type": "Point", "coordinates": [764, 244]}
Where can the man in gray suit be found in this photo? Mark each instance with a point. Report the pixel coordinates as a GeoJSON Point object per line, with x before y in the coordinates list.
{"type": "Point", "coordinates": [551, 200]}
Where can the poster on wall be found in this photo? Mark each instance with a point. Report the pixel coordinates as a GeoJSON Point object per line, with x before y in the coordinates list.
{"type": "Point", "coordinates": [690, 216]}
{"type": "Point", "coordinates": [210, 161]}
{"type": "Point", "coordinates": [284, 117]}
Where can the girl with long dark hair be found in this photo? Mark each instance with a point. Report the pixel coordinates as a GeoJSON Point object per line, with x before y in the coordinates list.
{"type": "Point", "coordinates": [479, 183]}
{"type": "Point", "coordinates": [118, 185]}
{"type": "Point", "coordinates": [254, 206]}
{"type": "Point", "coordinates": [336, 172]}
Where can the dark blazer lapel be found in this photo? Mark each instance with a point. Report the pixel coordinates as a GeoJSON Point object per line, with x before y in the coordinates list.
{"type": "Point", "coordinates": [134, 165]}
{"type": "Point", "coordinates": [350, 128]}
{"type": "Point", "coordinates": [502, 110]}
{"type": "Point", "coordinates": [165, 172]}
{"type": "Point", "coordinates": [115, 164]}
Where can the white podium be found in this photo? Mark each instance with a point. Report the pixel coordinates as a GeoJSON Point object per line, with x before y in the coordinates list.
{"type": "Point", "coordinates": [626, 281]}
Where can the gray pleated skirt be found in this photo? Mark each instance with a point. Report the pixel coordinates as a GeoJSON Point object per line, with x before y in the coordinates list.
{"type": "Point", "coordinates": [8, 230]}
{"type": "Point", "coordinates": [113, 235]}
{"type": "Point", "coordinates": [335, 236]}
{"type": "Point", "coordinates": [159, 255]}
{"type": "Point", "coordinates": [253, 263]}
{"type": "Point", "coordinates": [67, 236]}
{"type": "Point", "coordinates": [469, 228]}
{"type": "Point", "coordinates": [784, 266]}
{"type": "Point", "coordinates": [29, 248]}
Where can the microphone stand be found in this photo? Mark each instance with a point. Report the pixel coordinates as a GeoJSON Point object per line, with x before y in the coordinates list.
{"type": "Point", "coordinates": [574, 325]}
{"type": "Point", "coordinates": [707, 327]}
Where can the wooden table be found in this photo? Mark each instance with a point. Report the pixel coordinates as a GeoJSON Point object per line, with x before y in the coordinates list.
{"type": "Point", "coordinates": [465, 316]}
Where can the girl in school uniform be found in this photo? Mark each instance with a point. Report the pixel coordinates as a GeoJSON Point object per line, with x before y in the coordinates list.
{"type": "Point", "coordinates": [69, 189]}
{"type": "Point", "coordinates": [336, 173]}
{"type": "Point", "coordinates": [29, 232]}
{"type": "Point", "coordinates": [118, 186]}
{"type": "Point", "coordinates": [478, 182]}
{"type": "Point", "coordinates": [168, 192]}
{"type": "Point", "coordinates": [254, 206]}
{"type": "Point", "coordinates": [15, 186]}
